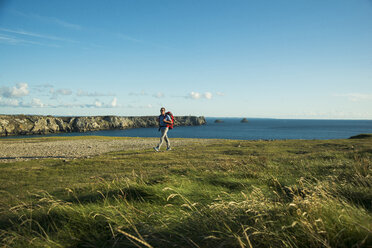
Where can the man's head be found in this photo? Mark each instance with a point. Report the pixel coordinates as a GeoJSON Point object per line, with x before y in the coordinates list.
{"type": "Point", "coordinates": [162, 110]}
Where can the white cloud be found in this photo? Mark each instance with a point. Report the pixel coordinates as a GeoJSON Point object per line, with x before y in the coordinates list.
{"type": "Point", "coordinates": [65, 92]}
{"type": "Point", "coordinates": [42, 87]}
{"type": "Point", "coordinates": [9, 102]}
{"type": "Point", "coordinates": [114, 102]}
{"type": "Point", "coordinates": [8, 39]}
{"type": "Point", "coordinates": [63, 23]}
{"type": "Point", "coordinates": [36, 103]}
{"type": "Point", "coordinates": [356, 97]}
{"type": "Point", "coordinates": [59, 92]}
{"type": "Point", "coordinates": [20, 90]}
{"type": "Point", "coordinates": [12, 40]}
{"type": "Point", "coordinates": [220, 94]}
{"type": "Point", "coordinates": [93, 94]}
{"type": "Point", "coordinates": [49, 20]}
{"type": "Point", "coordinates": [138, 106]}
{"type": "Point", "coordinates": [208, 95]}
{"type": "Point", "coordinates": [197, 95]}
{"type": "Point", "coordinates": [36, 35]}
{"type": "Point", "coordinates": [98, 104]}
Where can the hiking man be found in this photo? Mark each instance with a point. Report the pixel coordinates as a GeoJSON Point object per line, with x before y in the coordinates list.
{"type": "Point", "coordinates": [164, 122]}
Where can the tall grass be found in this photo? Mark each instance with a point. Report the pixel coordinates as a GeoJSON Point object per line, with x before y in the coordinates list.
{"type": "Point", "coordinates": [310, 217]}
{"type": "Point", "coordinates": [229, 200]}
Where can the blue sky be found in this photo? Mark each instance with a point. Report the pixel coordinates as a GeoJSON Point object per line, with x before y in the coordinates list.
{"type": "Point", "coordinates": [269, 58]}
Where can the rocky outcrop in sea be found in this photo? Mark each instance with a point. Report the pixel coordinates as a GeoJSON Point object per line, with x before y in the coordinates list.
{"type": "Point", "coordinates": [38, 124]}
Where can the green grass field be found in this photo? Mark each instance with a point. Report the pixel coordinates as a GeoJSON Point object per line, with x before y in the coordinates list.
{"type": "Point", "coordinates": [292, 193]}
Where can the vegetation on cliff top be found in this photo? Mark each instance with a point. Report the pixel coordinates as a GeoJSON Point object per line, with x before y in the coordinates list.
{"type": "Point", "coordinates": [224, 194]}
{"type": "Point", "coordinates": [37, 124]}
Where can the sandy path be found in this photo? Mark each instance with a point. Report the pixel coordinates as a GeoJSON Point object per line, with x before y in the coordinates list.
{"type": "Point", "coordinates": [36, 148]}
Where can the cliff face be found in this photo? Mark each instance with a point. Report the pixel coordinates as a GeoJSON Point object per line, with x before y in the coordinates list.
{"type": "Point", "coordinates": [35, 124]}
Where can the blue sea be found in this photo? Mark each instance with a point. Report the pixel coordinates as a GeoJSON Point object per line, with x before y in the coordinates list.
{"type": "Point", "coordinates": [254, 129]}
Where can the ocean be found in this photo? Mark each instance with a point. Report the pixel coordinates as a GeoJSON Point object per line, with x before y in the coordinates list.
{"type": "Point", "coordinates": [254, 129]}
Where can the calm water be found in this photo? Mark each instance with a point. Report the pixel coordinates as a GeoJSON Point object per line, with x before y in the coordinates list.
{"type": "Point", "coordinates": [255, 129]}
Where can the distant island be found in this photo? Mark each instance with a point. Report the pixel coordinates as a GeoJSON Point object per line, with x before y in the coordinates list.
{"type": "Point", "coordinates": [218, 121]}
{"type": "Point", "coordinates": [244, 120]}
{"type": "Point", "coordinates": [39, 124]}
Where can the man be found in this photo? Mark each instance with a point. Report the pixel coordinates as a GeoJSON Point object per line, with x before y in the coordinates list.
{"type": "Point", "coordinates": [163, 127]}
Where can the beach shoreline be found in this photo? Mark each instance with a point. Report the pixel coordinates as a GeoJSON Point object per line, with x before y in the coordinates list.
{"type": "Point", "coordinates": [67, 148]}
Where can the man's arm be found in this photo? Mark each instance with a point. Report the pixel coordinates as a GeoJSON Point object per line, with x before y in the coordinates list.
{"type": "Point", "coordinates": [168, 120]}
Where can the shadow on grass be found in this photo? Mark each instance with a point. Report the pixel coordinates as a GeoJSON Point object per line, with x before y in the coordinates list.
{"type": "Point", "coordinates": [129, 194]}
{"type": "Point", "coordinates": [120, 154]}
{"type": "Point", "coordinates": [72, 227]}
{"type": "Point", "coordinates": [361, 197]}
{"type": "Point", "coordinates": [233, 152]}
{"type": "Point", "coordinates": [228, 183]}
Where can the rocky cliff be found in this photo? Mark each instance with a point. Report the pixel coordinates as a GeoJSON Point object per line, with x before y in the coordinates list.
{"type": "Point", "coordinates": [36, 124]}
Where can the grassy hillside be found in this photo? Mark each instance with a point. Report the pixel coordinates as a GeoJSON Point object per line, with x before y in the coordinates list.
{"type": "Point", "coordinates": [225, 194]}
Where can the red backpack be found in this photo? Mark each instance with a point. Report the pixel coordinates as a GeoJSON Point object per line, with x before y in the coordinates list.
{"type": "Point", "coordinates": [170, 126]}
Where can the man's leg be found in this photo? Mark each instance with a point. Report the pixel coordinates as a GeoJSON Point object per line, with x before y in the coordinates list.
{"type": "Point", "coordinates": [167, 140]}
{"type": "Point", "coordinates": [164, 132]}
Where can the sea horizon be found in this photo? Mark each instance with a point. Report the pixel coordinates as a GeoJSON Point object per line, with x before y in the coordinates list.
{"type": "Point", "coordinates": [254, 129]}
{"type": "Point", "coordinates": [219, 117]}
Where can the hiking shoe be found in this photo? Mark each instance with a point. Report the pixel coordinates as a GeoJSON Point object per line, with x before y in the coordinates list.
{"type": "Point", "coordinates": [168, 149]}
{"type": "Point", "coordinates": [156, 149]}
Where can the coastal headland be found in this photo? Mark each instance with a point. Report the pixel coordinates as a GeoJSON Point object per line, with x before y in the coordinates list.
{"type": "Point", "coordinates": [37, 124]}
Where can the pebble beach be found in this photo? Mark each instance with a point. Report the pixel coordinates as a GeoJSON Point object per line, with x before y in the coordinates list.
{"type": "Point", "coordinates": [38, 148]}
